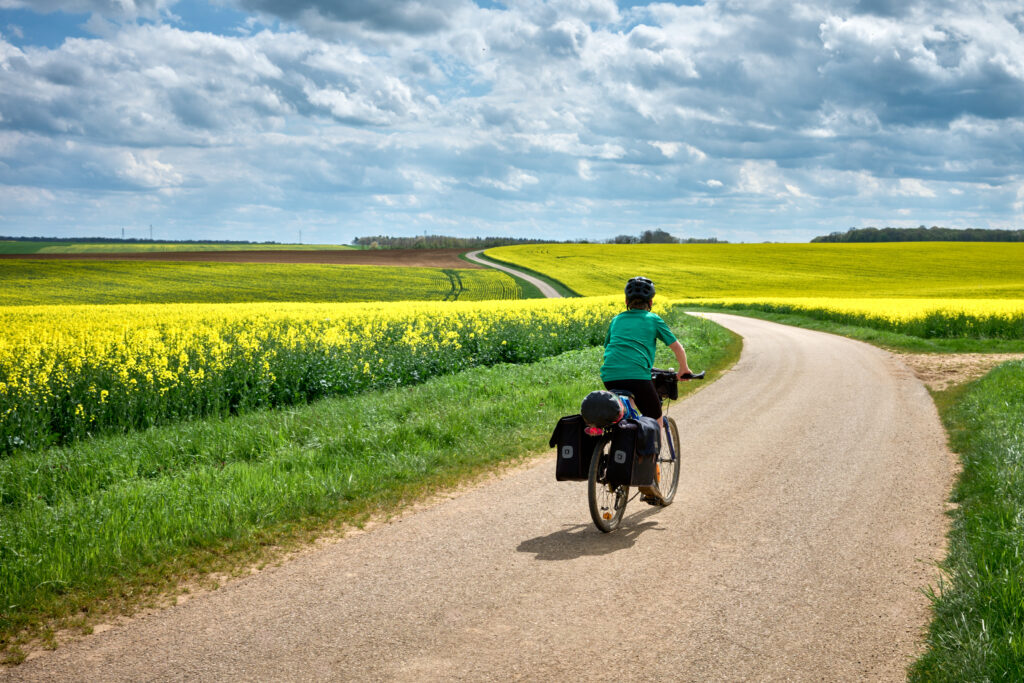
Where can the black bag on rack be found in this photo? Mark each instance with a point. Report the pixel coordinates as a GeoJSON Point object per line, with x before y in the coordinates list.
{"type": "Point", "coordinates": [573, 449]}
{"type": "Point", "coordinates": [633, 455]}
{"type": "Point", "coordinates": [666, 382]}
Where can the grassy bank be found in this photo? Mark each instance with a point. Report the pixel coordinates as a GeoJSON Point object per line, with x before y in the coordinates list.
{"type": "Point", "coordinates": [978, 629]}
{"type": "Point", "coordinates": [87, 527]}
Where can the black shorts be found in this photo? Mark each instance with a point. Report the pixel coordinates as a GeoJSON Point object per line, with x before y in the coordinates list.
{"type": "Point", "coordinates": [644, 393]}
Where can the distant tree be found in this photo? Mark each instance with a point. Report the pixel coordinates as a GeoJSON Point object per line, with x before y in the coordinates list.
{"type": "Point", "coordinates": [440, 242]}
{"type": "Point", "coordinates": [657, 236]}
{"type": "Point", "coordinates": [922, 234]}
{"type": "Point", "coordinates": [624, 239]}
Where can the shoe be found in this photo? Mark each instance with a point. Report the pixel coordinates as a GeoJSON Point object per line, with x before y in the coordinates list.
{"type": "Point", "coordinates": [650, 494]}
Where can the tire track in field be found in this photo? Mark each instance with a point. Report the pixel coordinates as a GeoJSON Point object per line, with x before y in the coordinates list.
{"type": "Point", "coordinates": [810, 512]}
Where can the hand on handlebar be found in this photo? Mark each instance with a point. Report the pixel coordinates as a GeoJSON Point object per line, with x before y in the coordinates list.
{"type": "Point", "coordinates": [689, 375]}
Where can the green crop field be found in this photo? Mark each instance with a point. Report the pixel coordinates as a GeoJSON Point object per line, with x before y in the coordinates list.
{"type": "Point", "coordinates": [116, 282]}
{"type": "Point", "coordinates": [48, 247]}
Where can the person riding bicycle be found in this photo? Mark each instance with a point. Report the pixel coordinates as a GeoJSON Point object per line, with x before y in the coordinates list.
{"type": "Point", "coordinates": [630, 345]}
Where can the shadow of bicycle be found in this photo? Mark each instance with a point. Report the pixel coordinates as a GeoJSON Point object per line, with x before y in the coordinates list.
{"type": "Point", "coordinates": [583, 540]}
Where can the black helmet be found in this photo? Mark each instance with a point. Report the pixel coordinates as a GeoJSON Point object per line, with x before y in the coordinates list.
{"type": "Point", "coordinates": [640, 288]}
{"type": "Point", "coordinates": [601, 408]}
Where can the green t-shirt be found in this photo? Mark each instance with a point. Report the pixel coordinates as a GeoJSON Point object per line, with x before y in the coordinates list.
{"type": "Point", "coordinates": [630, 345]}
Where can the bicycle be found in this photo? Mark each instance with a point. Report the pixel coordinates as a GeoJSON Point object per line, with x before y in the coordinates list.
{"type": "Point", "coordinates": [608, 501]}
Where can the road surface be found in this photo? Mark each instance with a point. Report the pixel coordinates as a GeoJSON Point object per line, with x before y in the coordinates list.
{"type": "Point", "coordinates": [808, 518]}
{"type": "Point", "coordinates": [545, 289]}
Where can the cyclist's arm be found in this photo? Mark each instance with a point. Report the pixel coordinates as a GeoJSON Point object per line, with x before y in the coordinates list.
{"type": "Point", "coordinates": [680, 352]}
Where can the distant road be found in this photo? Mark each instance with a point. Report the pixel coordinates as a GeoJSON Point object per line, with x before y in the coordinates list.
{"type": "Point", "coordinates": [545, 289]}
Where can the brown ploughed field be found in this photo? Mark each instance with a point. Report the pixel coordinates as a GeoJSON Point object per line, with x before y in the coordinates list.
{"type": "Point", "coordinates": [421, 258]}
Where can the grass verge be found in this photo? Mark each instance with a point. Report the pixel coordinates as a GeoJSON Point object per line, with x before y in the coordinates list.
{"type": "Point", "coordinates": [882, 338]}
{"type": "Point", "coordinates": [977, 633]}
{"type": "Point", "coordinates": [104, 526]}
{"type": "Point", "coordinates": [559, 287]}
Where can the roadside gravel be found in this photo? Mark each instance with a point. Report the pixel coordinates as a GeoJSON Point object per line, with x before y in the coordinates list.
{"type": "Point", "coordinates": [808, 518]}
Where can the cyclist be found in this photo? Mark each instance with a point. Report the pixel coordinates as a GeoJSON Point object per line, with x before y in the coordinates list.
{"type": "Point", "coordinates": [630, 345]}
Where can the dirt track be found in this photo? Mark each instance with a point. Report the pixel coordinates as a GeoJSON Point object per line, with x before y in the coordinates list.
{"type": "Point", "coordinates": [809, 514]}
{"type": "Point", "coordinates": [423, 258]}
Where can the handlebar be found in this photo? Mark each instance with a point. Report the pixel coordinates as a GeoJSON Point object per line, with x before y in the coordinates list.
{"type": "Point", "coordinates": [686, 375]}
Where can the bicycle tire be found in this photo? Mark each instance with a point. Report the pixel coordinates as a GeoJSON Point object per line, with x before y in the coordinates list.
{"type": "Point", "coordinates": [669, 466]}
{"type": "Point", "coordinates": [607, 504]}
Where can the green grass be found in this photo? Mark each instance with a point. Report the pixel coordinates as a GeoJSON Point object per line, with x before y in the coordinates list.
{"type": "Point", "coordinates": [129, 515]}
{"type": "Point", "coordinates": [47, 247]}
{"type": "Point", "coordinates": [558, 286]}
{"type": "Point", "coordinates": [977, 633]}
{"type": "Point", "coordinates": [879, 337]}
{"type": "Point", "coordinates": [117, 282]}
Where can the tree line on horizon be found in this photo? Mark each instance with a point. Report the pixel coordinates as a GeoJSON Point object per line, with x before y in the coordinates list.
{"type": "Point", "coordinates": [923, 234]}
{"type": "Point", "coordinates": [447, 242]}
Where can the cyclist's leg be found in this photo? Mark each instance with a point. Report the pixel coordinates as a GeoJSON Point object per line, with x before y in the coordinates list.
{"type": "Point", "coordinates": [644, 393]}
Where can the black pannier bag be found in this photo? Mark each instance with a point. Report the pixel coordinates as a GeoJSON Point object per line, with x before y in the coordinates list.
{"type": "Point", "coordinates": [621, 453]}
{"type": "Point", "coordinates": [648, 446]}
{"type": "Point", "coordinates": [633, 455]}
{"type": "Point", "coordinates": [666, 382]}
{"type": "Point", "coordinates": [573, 449]}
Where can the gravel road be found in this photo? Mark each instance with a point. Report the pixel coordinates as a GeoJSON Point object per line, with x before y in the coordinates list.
{"type": "Point", "coordinates": [547, 290]}
{"type": "Point", "coordinates": [809, 515]}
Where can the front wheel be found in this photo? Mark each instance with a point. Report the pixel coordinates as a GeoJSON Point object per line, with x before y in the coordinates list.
{"type": "Point", "coordinates": [607, 502]}
{"type": "Point", "coordinates": [668, 463]}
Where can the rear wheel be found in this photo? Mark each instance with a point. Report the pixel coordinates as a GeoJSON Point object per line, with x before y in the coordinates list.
{"type": "Point", "coordinates": [668, 464]}
{"type": "Point", "coordinates": [607, 502]}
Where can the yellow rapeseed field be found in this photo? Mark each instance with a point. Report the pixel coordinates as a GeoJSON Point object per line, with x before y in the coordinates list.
{"type": "Point", "coordinates": [932, 289]}
{"type": "Point", "coordinates": [942, 270]}
{"type": "Point", "coordinates": [68, 371]}
{"type": "Point", "coordinates": [891, 310]}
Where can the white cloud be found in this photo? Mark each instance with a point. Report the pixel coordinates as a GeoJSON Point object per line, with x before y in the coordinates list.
{"type": "Point", "coordinates": [584, 170]}
{"type": "Point", "coordinates": [514, 181]}
{"type": "Point", "coordinates": [912, 187]}
{"type": "Point", "coordinates": [121, 9]}
{"type": "Point", "coordinates": [145, 170]}
{"type": "Point", "coordinates": [350, 109]}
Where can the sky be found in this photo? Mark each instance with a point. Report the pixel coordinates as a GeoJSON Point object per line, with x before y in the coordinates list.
{"type": "Point", "coordinates": [745, 120]}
